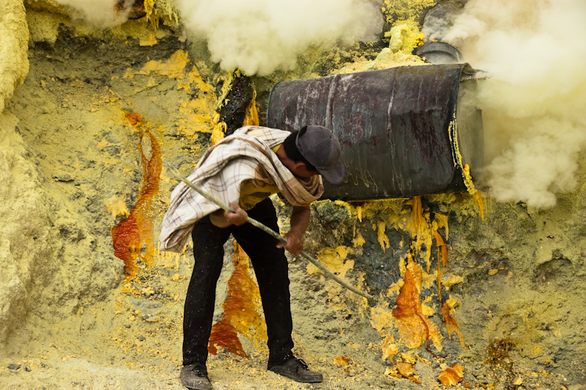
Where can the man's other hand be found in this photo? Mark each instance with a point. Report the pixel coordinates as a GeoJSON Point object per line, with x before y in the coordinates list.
{"type": "Point", "coordinates": [235, 216]}
{"type": "Point", "coordinates": [294, 243]}
{"type": "Point", "coordinates": [222, 219]}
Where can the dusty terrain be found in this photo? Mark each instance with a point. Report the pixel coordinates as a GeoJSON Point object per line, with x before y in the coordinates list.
{"type": "Point", "coordinates": [73, 164]}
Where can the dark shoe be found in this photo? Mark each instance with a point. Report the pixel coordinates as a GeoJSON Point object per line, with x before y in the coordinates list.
{"type": "Point", "coordinates": [195, 377]}
{"type": "Point", "coordinates": [297, 370]}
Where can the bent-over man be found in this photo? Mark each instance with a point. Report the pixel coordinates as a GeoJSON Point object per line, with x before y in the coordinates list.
{"type": "Point", "coordinates": [243, 170]}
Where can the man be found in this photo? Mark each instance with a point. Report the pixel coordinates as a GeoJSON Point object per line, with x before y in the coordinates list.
{"type": "Point", "coordinates": [243, 170]}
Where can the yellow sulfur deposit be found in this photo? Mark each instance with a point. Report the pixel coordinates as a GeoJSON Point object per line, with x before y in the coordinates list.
{"type": "Point", "coordinates": [117, 206]}
{"type": "Point", "coordinates": [195, 114]}
{"type": "Point", "coordinates": [409, 323]}
{"type": "Point", "coordinates": [358, 239]}
{"type": "Point", "coordinates": [251, 116]}
{"type": "Point", "coordinates": [335, 259]}
{"type": "Point", "coordinates": [389, 347]}
{"type": "Point", "coordinates": [404, 368]}
{"type": "Point", "coordinates": [451, 375]}
{"type": "Point", "coordinates": [174, 67]}
{"type": "Point", "coordinates": [451, 324]}
{"type": "Point", "coordinates": [405, 9]}
{"type": "Point", "coordinates": [404, 36]}
{"type": "Point", "coordinates": [383, 239]}
{"type": "Point", "coordinates": [218, 129]}
{"type": "Point", "coordinates": [160, 10]}
{"type": "Point", "coordinates": [342, 361]}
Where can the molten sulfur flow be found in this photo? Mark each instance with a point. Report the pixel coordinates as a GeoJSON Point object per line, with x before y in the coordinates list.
{"type": "Point", "coordinates": [133, 236]}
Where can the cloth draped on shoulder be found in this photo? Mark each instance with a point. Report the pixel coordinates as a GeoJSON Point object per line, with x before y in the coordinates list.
{"type": "Point", "coordinates": [245, 155]}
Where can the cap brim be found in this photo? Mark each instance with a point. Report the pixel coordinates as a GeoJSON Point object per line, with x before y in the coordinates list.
{"type": "Point", "coordinates": [335, 174]}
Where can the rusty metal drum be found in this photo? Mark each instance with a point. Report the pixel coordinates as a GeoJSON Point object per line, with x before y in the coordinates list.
{"type": "Point", "coordinates": [404, 131]}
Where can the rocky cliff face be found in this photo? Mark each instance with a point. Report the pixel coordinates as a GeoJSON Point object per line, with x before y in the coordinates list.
{"type": "Point", "coordinates": [28, 251]}
{"type": "Point", "coordinates": [14, 48]}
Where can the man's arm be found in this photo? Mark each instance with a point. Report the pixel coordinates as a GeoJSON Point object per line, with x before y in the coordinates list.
{"type": "Point", "coordinates": [300, 217]}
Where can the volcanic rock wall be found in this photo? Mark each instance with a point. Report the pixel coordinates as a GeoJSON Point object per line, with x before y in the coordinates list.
{"type": "Point", "coordinates": [27, 252]}
{"type": "Point", "coordinates": [14, 48]}
{"type": "Point", "coordinates": [56, 244]}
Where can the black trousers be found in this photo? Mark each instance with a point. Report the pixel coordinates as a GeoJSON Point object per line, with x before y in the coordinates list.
{"type": "Point", "coordinates": [270, 268]}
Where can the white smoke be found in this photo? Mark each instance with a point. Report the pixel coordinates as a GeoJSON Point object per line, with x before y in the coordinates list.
{"type": "Point", "coordinates": [102, 13]}
{"type": "Point", "coordinates": [261, 36]}
{"type": "Point", "coordinates": [534, 103]}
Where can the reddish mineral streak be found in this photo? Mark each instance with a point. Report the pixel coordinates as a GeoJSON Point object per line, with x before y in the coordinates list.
{"type": "Point", "coordinates": [134, 233]}
{"type": "Point", "coordinates": [408, 307]}
{"type": "Point", "coordinates": [451, 324]}
{"type": "Point", "coordinates": [442, 261]}
{"type": "Point", "coordinates": [225, 336]}
{"type": "Point", "coordinates": [239, 308]}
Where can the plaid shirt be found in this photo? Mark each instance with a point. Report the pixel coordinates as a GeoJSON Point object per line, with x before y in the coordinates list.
{"type": "Point", "coordinates": [244, 155]}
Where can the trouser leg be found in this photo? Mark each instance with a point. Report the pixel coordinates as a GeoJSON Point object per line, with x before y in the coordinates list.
{"type": "Point", "coordinates": [208, 250]}
{"type": "Point", "coordinates": [270, 267]}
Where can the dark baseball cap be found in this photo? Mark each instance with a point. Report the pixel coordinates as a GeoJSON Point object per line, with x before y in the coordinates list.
{"type": "Point", "coordinates": [321, 148]}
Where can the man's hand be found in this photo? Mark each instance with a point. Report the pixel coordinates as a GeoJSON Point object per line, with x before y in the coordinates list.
{"type": "Point", "coordinates": [237, 216]}
{"type": "Point", "coordinates": [299, 223]}
{"type": "Point", "coordinates": [224, 219]}
{"type": "Point", "coordinates": [294, 243]}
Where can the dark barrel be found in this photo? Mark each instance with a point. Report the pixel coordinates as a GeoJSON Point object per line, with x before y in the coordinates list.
{"type": "Point", "coordinates": [404, 131]}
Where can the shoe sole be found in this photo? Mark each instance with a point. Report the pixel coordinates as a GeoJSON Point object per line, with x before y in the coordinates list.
{"type": "Point", "coordinates": [297, 379]}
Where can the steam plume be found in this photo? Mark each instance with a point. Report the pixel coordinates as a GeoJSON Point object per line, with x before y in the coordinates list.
{"type": "Point", "coordinates": [260, 36]}
{"type": "Point", "coordinates": [534, 104]}
{"type": "Point", "coordinates": [103, 13]}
